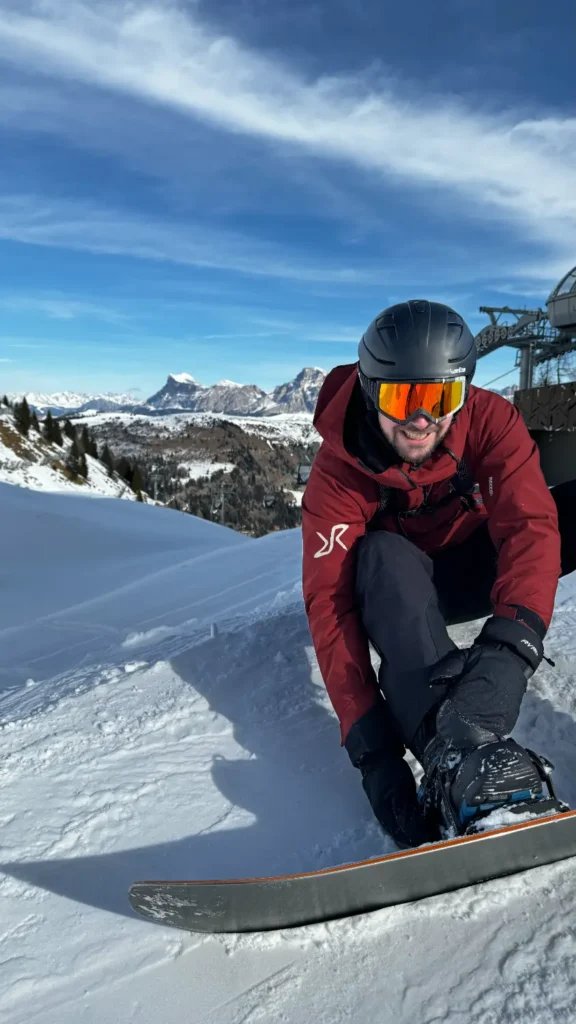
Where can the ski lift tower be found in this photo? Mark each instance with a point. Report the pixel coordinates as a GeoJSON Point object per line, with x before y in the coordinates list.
{"type": "Point", "coordinates": [537, 335]}
{"type": "Point", "coordinates": [549, 411]}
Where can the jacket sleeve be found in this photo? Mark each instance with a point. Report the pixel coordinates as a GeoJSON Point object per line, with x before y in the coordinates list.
{"type": "Point", "coordinates": [332, 523]}
{"type": "Point", "coordinates": [522, 517]}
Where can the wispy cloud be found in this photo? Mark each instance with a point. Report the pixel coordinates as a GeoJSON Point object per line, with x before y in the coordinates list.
{"type": "Point", "coordinates": [519, 169]}
{"type": "Point", "coordinates": [75, 225]}
{"type": "Point", "coordinates": [60, 307]}
{"type": "Point", "coordinates": [308, 331]}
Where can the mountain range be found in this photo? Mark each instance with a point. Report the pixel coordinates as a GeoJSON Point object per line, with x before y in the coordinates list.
{"type": "Point", "coordinates": [183, 393]}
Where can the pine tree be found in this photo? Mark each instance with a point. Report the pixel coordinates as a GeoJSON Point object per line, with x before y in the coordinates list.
{"type": "Point", "coordinates": [137, 482]}
{"type": "Point", "coordinates": [6, 401]}
{"type": "Point", "coordinates": [57, 433]}
{"type": "Point", "coordinates": [34, 421]}
{"type": "Point", "coordinates": [124, 469]}
{"type": "Point", "coordinates": [108, 459]}
{"type": "Point", "coordinates": [23, 416]}
{"type": "Point", "coordinates": [88, 443]}
{"type": "Point", "coordinates": [69, 430]}
{"type": "Point", "coordinates": [48, 428]}
{"type": "Point", "coordinates": [76, 460]}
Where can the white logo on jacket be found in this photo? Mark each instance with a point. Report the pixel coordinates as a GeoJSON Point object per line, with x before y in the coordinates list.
{"type": "Point", "coordinates": [335, 538]}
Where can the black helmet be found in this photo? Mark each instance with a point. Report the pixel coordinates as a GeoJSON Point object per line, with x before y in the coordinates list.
{"type": "Point", "coordinates": [415, 341]}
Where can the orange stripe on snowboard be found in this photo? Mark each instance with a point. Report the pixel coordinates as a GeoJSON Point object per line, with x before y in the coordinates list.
{"type": "Point", "coordinates": [362, 863]}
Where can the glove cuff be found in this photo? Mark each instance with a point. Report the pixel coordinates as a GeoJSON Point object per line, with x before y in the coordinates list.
{"type": "Point", "coordinates": [515, 635]}
{"type": "Point", "coordinates": [373, 735]}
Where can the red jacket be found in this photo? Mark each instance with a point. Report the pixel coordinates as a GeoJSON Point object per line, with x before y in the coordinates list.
{"type": "Point", "coordinates": [342, 496]}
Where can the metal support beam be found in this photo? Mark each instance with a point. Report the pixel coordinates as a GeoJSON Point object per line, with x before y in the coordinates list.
{"type": "Point", "coordinates": [526, 366]}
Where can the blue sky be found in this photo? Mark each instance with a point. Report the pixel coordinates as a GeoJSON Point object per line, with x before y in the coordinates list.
{"type": "Point", "coordinates": [236, 189]}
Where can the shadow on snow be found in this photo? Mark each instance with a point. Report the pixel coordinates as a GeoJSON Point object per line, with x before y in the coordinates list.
{"type": "Point", "coordinates": [308, 806]}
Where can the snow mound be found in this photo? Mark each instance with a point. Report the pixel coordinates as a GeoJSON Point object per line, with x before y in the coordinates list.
{"type": "Point", "coordinates": [163, 716]}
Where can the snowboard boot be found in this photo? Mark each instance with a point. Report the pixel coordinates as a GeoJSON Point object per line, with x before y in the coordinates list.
{"type": "Point", "coordinates": [462, 787]}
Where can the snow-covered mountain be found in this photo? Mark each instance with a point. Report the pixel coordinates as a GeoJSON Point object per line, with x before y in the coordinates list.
{"type": "Point", "coordinates": [63, 402]}
{"type": "Point", "coordinates": [183, 393]}
{"type": "Point", "coordinates": [138, 741]}
{"type": "Point", "coordinates": [300, 394]}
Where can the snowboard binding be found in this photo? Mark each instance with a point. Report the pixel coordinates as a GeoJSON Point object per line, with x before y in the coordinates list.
{"type": "Point", "coordinates": [461, 788]}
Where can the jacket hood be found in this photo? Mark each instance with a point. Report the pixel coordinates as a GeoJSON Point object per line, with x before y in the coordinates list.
{"type": "Point", "coordinates": [330, 416]}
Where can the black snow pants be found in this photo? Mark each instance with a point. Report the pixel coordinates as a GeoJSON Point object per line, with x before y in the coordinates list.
{"type": "Point", "coordinates": [407, 599]}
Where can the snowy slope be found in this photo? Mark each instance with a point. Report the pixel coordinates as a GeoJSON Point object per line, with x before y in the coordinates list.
{"type": "Point", "coordinates": [32, 462]}
{"type": "Point", "coordinates": [163, 716]}
{"type": "Point", "coordinates": [291, 428]}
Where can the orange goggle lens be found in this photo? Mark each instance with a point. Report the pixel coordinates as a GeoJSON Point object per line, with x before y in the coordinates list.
{"type": "Point", "coordinates": [436, 398]}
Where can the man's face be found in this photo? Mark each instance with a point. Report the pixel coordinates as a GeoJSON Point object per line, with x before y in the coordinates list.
{"type": "Point", "coordinates": [416, 441]}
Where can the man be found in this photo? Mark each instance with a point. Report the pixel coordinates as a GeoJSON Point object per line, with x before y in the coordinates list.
{"type": "Point", "coordinates": [426, 506]}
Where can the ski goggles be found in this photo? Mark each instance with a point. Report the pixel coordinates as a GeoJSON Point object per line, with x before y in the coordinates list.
{"type": "Point", "coordinates": [434, 399]}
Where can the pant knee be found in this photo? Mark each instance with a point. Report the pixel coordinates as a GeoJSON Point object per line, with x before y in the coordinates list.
{"type": "Point", "coordinates": [391, 555]}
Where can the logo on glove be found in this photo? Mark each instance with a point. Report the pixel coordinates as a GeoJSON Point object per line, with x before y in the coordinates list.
{"type": "Point", "coordinates": [531, 646]}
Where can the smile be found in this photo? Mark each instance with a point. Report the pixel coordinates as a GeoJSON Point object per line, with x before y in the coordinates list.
{"type": "Point", "coordinates": [416, 435]}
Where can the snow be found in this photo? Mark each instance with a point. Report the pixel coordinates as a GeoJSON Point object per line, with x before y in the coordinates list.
{"type": "Point", "coordinates": [199, 468]}
{"type": "Point", "coordinates": [163, 716]}
{"type": "Point", "coordinates": [184, 378]}
{"type": "Point", "coordinates": [294, 428]}
{"type": "Point", "coordinates": [296, 496]}
{"type": "Point", "coordinates": [69, 400]}
{"type": "Point", "coordinates": [60, 399]}
{"type": "Point", "coordinates": [32, 463]}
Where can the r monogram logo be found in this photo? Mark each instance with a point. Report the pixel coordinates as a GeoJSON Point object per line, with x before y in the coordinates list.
{"type": "Point", "coordinates": [335, 538]}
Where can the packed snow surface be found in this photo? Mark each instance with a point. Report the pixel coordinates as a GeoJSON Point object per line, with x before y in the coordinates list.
{"type": "Point", "coordinates": [163, 716]}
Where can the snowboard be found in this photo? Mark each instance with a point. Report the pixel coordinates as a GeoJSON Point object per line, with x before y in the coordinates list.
{"type": "Point", "coordinates": [288, 901]}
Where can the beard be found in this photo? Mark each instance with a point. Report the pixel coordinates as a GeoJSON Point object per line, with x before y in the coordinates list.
{"type": "Point", "coordinates": [416, 454]}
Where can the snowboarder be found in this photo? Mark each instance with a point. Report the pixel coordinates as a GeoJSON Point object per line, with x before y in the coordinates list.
{"type": "Point", "coordinates": [426, 506]}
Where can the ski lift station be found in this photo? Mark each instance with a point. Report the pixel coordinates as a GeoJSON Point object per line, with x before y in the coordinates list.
{"type": "Point", "coordinates": [538, 336]}
{"type": "Point", "coordinates": [562, 304]}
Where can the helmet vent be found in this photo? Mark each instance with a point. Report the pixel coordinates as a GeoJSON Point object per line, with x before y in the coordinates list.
{"type": "Point", "coordinates": [453, 334]}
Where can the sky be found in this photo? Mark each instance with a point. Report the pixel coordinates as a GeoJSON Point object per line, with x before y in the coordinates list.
{"type": "Point", "coordinates": [234, 190]}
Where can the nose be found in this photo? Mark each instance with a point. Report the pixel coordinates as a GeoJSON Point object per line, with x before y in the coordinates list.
{"type": "Point", "coordinates": [420, 423]}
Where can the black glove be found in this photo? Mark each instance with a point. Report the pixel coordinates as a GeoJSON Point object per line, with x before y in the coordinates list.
{"type": "Point", "coordinates": [375, 748]}
{"type": "Point", "coordinates": [487, 682]}
{"type": "Point", "coordinates": [390, 787]}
